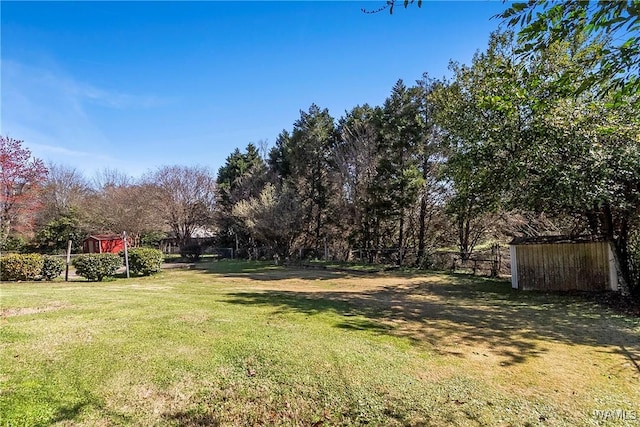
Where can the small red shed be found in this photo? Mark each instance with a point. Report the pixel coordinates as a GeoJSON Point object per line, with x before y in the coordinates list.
{"type": "Point", "coordinates": [102, 243]}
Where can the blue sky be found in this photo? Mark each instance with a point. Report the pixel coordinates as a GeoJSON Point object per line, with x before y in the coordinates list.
{"type": "Point", "coordinates": [137, 85]}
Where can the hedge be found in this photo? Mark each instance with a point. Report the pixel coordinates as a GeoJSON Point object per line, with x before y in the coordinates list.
{"type": "Point", "coordinates": [52, 267]}
{"type": "Point", "coordinates": [145, 261]}
{"type": "Point", "coordinates": [21, 266]}
{"type": "Point", "coordinates": [191, 251]}
{"type": "Point", "coordinates": [96, 266]}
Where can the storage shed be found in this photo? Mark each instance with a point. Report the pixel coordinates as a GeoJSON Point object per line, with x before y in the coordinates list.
{"type": "Point", "coordinates": [98, 244]}
{"type": "Point", "coordinates": [561, 263]}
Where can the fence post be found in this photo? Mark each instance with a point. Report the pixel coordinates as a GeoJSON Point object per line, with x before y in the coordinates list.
{"type": "Point", "coordinates": [66, 272]}
{"type": "Point", "coordinates": [126, 252]}
{"type": "Point", "coordinates": [495, 265]}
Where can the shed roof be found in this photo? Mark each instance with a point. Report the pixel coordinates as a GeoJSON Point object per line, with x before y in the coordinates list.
{"type": "Point", "coordinates": [104, 237]}
{"type": "Point", "coordinates": [539, 240]}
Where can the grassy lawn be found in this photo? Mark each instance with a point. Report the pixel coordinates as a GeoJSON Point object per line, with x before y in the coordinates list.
{"type": "Point", "coordinates": [237, 343]}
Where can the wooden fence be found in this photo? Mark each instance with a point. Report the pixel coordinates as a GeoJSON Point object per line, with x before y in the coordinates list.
{"type": "Point", "coordinates": [567, 266]}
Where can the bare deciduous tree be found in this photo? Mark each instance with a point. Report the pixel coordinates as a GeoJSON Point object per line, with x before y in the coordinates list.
{"type": "Point", "coordinates": [185, 198]}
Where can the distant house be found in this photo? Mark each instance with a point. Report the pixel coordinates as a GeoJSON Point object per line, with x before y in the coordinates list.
{"type": "Point", "coordinates": [103, 243]}
{"type": "Point", "coordinates": [562, 263]}
{"type": "Point", "coordinates": [199, 235]}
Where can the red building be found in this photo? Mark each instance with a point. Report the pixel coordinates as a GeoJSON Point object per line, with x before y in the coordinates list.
{"type": "Point", "coordinates": [99, 244]}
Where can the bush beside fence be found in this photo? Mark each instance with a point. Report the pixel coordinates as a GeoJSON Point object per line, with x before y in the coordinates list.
{"type": "Point", "coordinates": [96, 267]}
{"type": "Point", "coordinates": [145, 261]}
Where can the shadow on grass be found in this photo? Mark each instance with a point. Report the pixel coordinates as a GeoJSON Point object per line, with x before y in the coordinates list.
{"type": "Point", "coordinates": [191, 419]}
{"type": "Point", "coordinates": [69, 412]}
{"type": "Point", "coordinates": [72, 412]}
{"type": "Point", "coordinates": [462, 311]}
{"type": "Point", "coordinates": [268, 271]}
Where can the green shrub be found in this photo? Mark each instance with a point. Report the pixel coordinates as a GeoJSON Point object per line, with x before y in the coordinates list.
{"type": "Point", "coordinates": [14, 244]}
{"type": "Point", "coordinates": [145, 261]}
{"type": "Point", "coordinates": [96, 266]}
{"type": "Point", "coordinates": [20, 266]}
{"type": "Point", "coordinates": [191, 251]}
{"type": "Point", "coordinates": [52, 267]}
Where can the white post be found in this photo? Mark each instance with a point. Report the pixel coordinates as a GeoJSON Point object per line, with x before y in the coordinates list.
{"type": "Point", "coordinates": [514, 267]}
{"type": "Point", "coordinates": [66, 273]}
{"type": "Point", "coordinates": [126, 252]}
{"type": "Point", "coordinates": [613, 272]}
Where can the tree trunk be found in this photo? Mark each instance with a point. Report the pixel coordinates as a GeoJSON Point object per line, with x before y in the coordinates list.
{"type": "Point", "coordinates": [422, 222]}
{"type": "Point", "coordinates": [464, 231]}
{"type": "Point", "coordinates": [400, 238]}
{"type": "Point", "coordinates": [620, 245]}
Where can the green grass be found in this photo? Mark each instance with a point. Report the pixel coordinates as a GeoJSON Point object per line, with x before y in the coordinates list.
{"type": "Point", "coordinates": [482, 246]}
{"type": "Point", "coordinates": [351, 266]}
{"type": "Point", "coordinates": [238, 343]}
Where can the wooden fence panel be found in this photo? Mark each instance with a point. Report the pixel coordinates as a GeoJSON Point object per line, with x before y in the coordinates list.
{"type": "Point", "coordinates": [563, 266]}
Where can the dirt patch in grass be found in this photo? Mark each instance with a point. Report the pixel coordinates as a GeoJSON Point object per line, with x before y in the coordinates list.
{"type": "Point", "coordinates": [532, 345]}
{"type": "Point", "coordinates": [23, 311]}
{"type": "Point", "coordinates": [196, 317]}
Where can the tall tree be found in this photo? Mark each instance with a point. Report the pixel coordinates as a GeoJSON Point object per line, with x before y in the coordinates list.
{"type": "Point", "coordinates": [430, 160]}
{"type": "Point", "coordinates": [21, 175]}
{"type": "Point", "coordinates": [63, 208]}
{"type": "Point", "coordinates": [581, 147]}
{"type": "Point", "coordinates": [399, 178]}
{"type": "Point", "coordinates": [536, 146]}
{"type": "Point", "coordinates": [242, 177]}
{"type": "Point", "coordinates": [64, 188]}
{"type": "Point", "coordinates": [126, 207]}
{"type": "Point", "coordinates": [468, 111]}
{"type": "Point", "coordinates": [304, 159]}
{"type": "Point", "coordinates": [186, 198]}
{"type": "Point", "coordinates": [280, 156]}
{"type": "Point", "coordinates": [356, 159]}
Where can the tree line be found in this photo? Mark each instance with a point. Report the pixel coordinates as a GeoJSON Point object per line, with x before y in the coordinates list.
{"type": "Point", "coordinates": [42, 212]}
{"type": "Point", "coordinates": [507, 146]}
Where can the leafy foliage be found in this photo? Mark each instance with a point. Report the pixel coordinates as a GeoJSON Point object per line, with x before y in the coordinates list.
{"type": "Point", "coordinates": [96, 267]}
{"type": "Point", "coordinates": [307, 169]}
{"type": "Point", "coordinates": [145, 261]}
{"type": "Point", "coordinates": [54, 235]}
{"type": "Point", "coordinates": [357, 159]}
{"type": "Point", "coordinates": [273, 217]}
{"type": "Point", "coordinates": [242, 177]}
{"type": "Point", "coordinates": [52, 267]}
{"type": "Point", "coordinates": [191, 251]}
{"type": "Point", "coordinates": [20, 266]}
{"type": "Point", "coordinates": [15, 244]}
{"type": "Point", "coordinates": [152, 238]}
{"type": "Point", "coordinates": [519, 141]}
{"type": "Point", "coordinates": [20, 177]}
{"type": "Point", "coordinates": [398, 178]}
{"type": "Point", "coordinates": [543, 23]}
